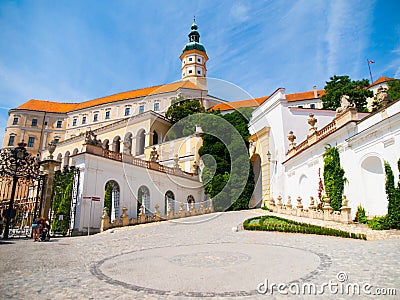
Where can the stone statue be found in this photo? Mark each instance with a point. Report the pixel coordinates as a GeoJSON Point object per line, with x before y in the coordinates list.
{"type": "Point", "coordinates": [344, 104]}
{"type": "Point", "coordinates": [91, 139]}
{"type": "Point", "coordinates": [382, 96]}
{"type": "Point", "coordinates": [52, 147]}
{"type": "Point", "coordinates": [252, 147]}
{"type": "Point", "coordinates": [154, 155]}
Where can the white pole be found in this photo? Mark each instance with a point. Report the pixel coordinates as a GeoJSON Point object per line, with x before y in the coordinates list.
{"type": "Point", "coordinates": [90, 217]}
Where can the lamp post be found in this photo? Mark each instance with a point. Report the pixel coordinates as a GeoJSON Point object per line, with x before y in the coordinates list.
{"type": "Point", "coordinates": [16, 163]}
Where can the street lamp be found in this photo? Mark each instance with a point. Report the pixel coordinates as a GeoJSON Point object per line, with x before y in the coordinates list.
{"type": "Point", "coordinates": [16, 163]}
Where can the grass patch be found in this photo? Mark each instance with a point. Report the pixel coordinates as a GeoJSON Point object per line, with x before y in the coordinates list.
{"type": "Point", "coordinates": [272, 223]}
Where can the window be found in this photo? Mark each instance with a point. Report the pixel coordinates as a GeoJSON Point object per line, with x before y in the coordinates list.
{"type": "Point", "coordinates": [74, 122]}
{"type": "Point", "coordinates": [190, 59]}
{"type": "Point", "coordinates": [84, 120]}
{"type": "Point", "coordinates": [15, 121]}
{"type": "Point", "coordinates": [95, 117]}
{"type": "Point", "coordinates": [127, 111]}
{"type": "Point", "coordinates": [34, 122]}
{"type": "Point", "coordinates": [156, 106]}
{"type": "Point", "coordinates": [56, 140]}
{"type": "Point", "coordinates": [11, 140]}
{"type": "Point", "coordinates": [31, 141]}
{"type": "Point", "coordinates": [198, 72]}
{"type": "Point", "coordinates": [190, 71]}
{"type": "Point", "coordinates": [300, 106]}
{"type": "Point", "coordinates": [141, 109]}
{"type": "Point", "coordinates": [199, 60]}
{"type": "Point", "coordinates": [59, 124]}
{"type": "Point", "coordinates": [107, 114]}
{"type": "Point", "coordinates": [312, 105]}
{"type": "Point", "coordinates": [45, 123]}
{"type": "Point", "coordinates": [183, 74]}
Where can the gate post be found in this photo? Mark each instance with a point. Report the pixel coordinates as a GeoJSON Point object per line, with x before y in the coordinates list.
{"type": "Point", "coordinates": [49, 166]}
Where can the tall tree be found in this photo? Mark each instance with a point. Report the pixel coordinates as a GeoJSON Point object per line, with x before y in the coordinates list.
{"type": "Point", "coordinates": [394, 90]}
{"type": "Point", "coordinates": [182, 107]}
{"type": "Point", "coordinates": [343, 85]}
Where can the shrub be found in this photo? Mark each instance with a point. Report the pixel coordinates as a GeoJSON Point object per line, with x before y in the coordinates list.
{"type": "Point", "coordinates": [272, 223]}
{"type": "Point", "coordinates": [360, 215]}
{"type": "Point", "coordinates": [379, 223]}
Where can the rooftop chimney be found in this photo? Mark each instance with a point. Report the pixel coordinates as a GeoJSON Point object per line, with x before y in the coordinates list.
{"type": "Point", "coordinates": [315, 91]}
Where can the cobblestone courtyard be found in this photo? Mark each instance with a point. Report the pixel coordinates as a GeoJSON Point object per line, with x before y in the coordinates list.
{"type": "Point", "coordinates": [190, 258]}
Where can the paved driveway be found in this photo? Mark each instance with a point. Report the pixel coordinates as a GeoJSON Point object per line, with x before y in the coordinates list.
{"type": "Point", "coordinates": [197, 257]}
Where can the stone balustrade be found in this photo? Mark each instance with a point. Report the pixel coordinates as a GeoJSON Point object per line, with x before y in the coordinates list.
{"type": "Point", "coordinates": [326, 213]}
{"type": "Point", "coordinates": [143, 218]}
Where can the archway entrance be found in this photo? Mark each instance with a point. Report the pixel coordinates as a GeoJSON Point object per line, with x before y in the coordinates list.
{"type": "Point", "coordinates": [111, 199]}
{"type": "Point", "coordinates": [169, 202]}
{"type": "Point", "coordinates": [144, 199]}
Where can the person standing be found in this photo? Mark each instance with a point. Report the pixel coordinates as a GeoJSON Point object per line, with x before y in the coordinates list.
{"type": "Point", "coordinates": [36, 230]}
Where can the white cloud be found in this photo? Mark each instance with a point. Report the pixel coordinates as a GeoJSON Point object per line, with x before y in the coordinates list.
{"type": "Point", "coordinates": [240, 12]}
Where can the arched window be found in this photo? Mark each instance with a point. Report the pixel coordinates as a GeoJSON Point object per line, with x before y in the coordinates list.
{"type": "Point", "coordinates": [75, 151]}
{"type": "Point", "coordinates": [144, 199]}
{"type": "Point", "coordinates": [59, 157]}
{"type": "Point", "coordinates": [140, 142]}
{"type": "Point", "coordinates": [116, 146]}
{"type": "Point", "coordinates": [169, 202]}
{"type": "Point", "coordinates": [111, 199]}
{"type": "Point", "coordinates": [155, 138]}
{"type": "Point", "coordinates": [66, 159]}
{"type": "Point", "coordinates": [106, 144]}
{"type": "Point", "coordinates": [190, 202]}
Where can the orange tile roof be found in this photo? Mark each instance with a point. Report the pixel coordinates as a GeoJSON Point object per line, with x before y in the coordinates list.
{"type": "Point", "coordinates": [258, 101]}
{"type": "Point", "coordinates": [242, 103]}
{"type": "Point", "coordinates": [58, 107]}
{"type": "Point", "coordinates": [304, 95]}
{"type": "Point", "coordinates": [381, 80]}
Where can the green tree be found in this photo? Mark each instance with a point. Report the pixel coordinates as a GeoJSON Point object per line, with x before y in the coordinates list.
{"type": "Point", "coordinates": [343, 85]}
{"type": "Point", "coordinates": [334, 179]}
{"type": "Point", "coordinates": [393, 196]}
{"type": "Point", "coordinates": [223, 165]}
{"type": "Point", "coordinates": [181, 108]}
{"type": "Point", "coordinates": [394, 90]}
{"type": "Point", "coordinates": [108, 198]}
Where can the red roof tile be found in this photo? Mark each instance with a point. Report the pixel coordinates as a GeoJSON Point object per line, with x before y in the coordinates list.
{"type": "Point", "coordinates": [57, 107]}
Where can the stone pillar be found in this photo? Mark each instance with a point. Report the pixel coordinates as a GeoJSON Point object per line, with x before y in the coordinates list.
{"type": "Point", "coordinates": [105, 220]}
{"type": "Point", "coordinates": [49, 168]}
{"type": "Point", "coordinates": [279, 206]}
{"type": "Point", "coordinates": [157, 216]}
{"type": "Point", "coordinates": [142, 215]}
{"type": "Point", "coordinates": [124, 217]}
{"type": "Point", "coordinates": [327, 210]}
{"type": "Point", "coordinates": [271, 203]}
{"type": "Point", "coordinates": [148, 139]}
{"type": "Point", "coordinates": [299, 207]}
{"type": "Point", "coordinates": [345, 211]}
{"type": "Point", "coordinates": [192, 210]}
{"type": "Point", "coordinates": [289, 203]}
{"type": "Point", "coordinates": [211, 206]}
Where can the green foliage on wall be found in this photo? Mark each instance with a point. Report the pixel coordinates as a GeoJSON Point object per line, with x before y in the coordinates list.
{"type": "Point", "coordinates": [108, 198]}
{"type": "Point", "coordinates": [334, 179]}
{"type": "Point", "coordinates": [62, 196]}
{"type": "Point", "coordinates": [393, 196]}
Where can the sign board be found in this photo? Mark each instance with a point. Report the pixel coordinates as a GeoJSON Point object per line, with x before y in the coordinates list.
{"type": "Point", "coordinates": [93, 198]}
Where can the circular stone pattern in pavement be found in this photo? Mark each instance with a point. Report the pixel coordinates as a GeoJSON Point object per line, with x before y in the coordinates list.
{"type": "Point", "coordinates": [227, 269]}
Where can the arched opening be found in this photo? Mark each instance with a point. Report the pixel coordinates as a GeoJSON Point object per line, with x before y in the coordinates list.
{"type": "Point", "coordinates": [59, 157]}
{"type": "Point", "coordinates": [66, 159]}
{"type": "Point", "coordinates": [106, 144]}
{"type": "Point", "coordinates": [155, 137]}
{"type": "Point", "coordinates": [190, 202]}
{"type": "Point", "coordinates": [116, 146]}
{"type": "Point", "coordinates": [140, 142]}
{"type": "Point", "coordinates": [169, 202]}
{"type": "Point", "coordinates": [111, 199]}
{"type": "Point", "coordinates": [75, 151]}
{"type": "Point", "coordinates": [373, 180]}
{"type": "Point", "coordinates": [128, 144]}
{"type": "Point", "coordinates": [306, 188]}
{"type": "Point", "coordinates": [256, 199]}
{"type": "Point", "coordinates": [144, 199]}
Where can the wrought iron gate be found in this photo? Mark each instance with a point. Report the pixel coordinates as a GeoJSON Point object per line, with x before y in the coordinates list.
{"type": "Point", "coordinates": [27, 203]}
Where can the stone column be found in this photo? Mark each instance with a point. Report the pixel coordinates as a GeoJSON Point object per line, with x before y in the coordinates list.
{"type": "Point", "coordinates": [49, 168]}
{"type": "Point", "coordinates": [327, 210]}
{"type": "Point", "coordinates": [299, 207]}
{"type": "Point", "coordinates": [148, 136]}
{"type": "Point", "coordinates": [345, 211]}
{"type": "Point", "coordinates": [124, 217]}
{"type": "Point", "coordinates": [105, 220]}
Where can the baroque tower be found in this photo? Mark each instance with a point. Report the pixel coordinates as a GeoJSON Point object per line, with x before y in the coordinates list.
{"type": "Point", "coordinates": [194, 58]}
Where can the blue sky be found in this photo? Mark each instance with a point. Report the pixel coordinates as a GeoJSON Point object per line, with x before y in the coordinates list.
{"type": "Point", "coordinates": [74, 50]}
